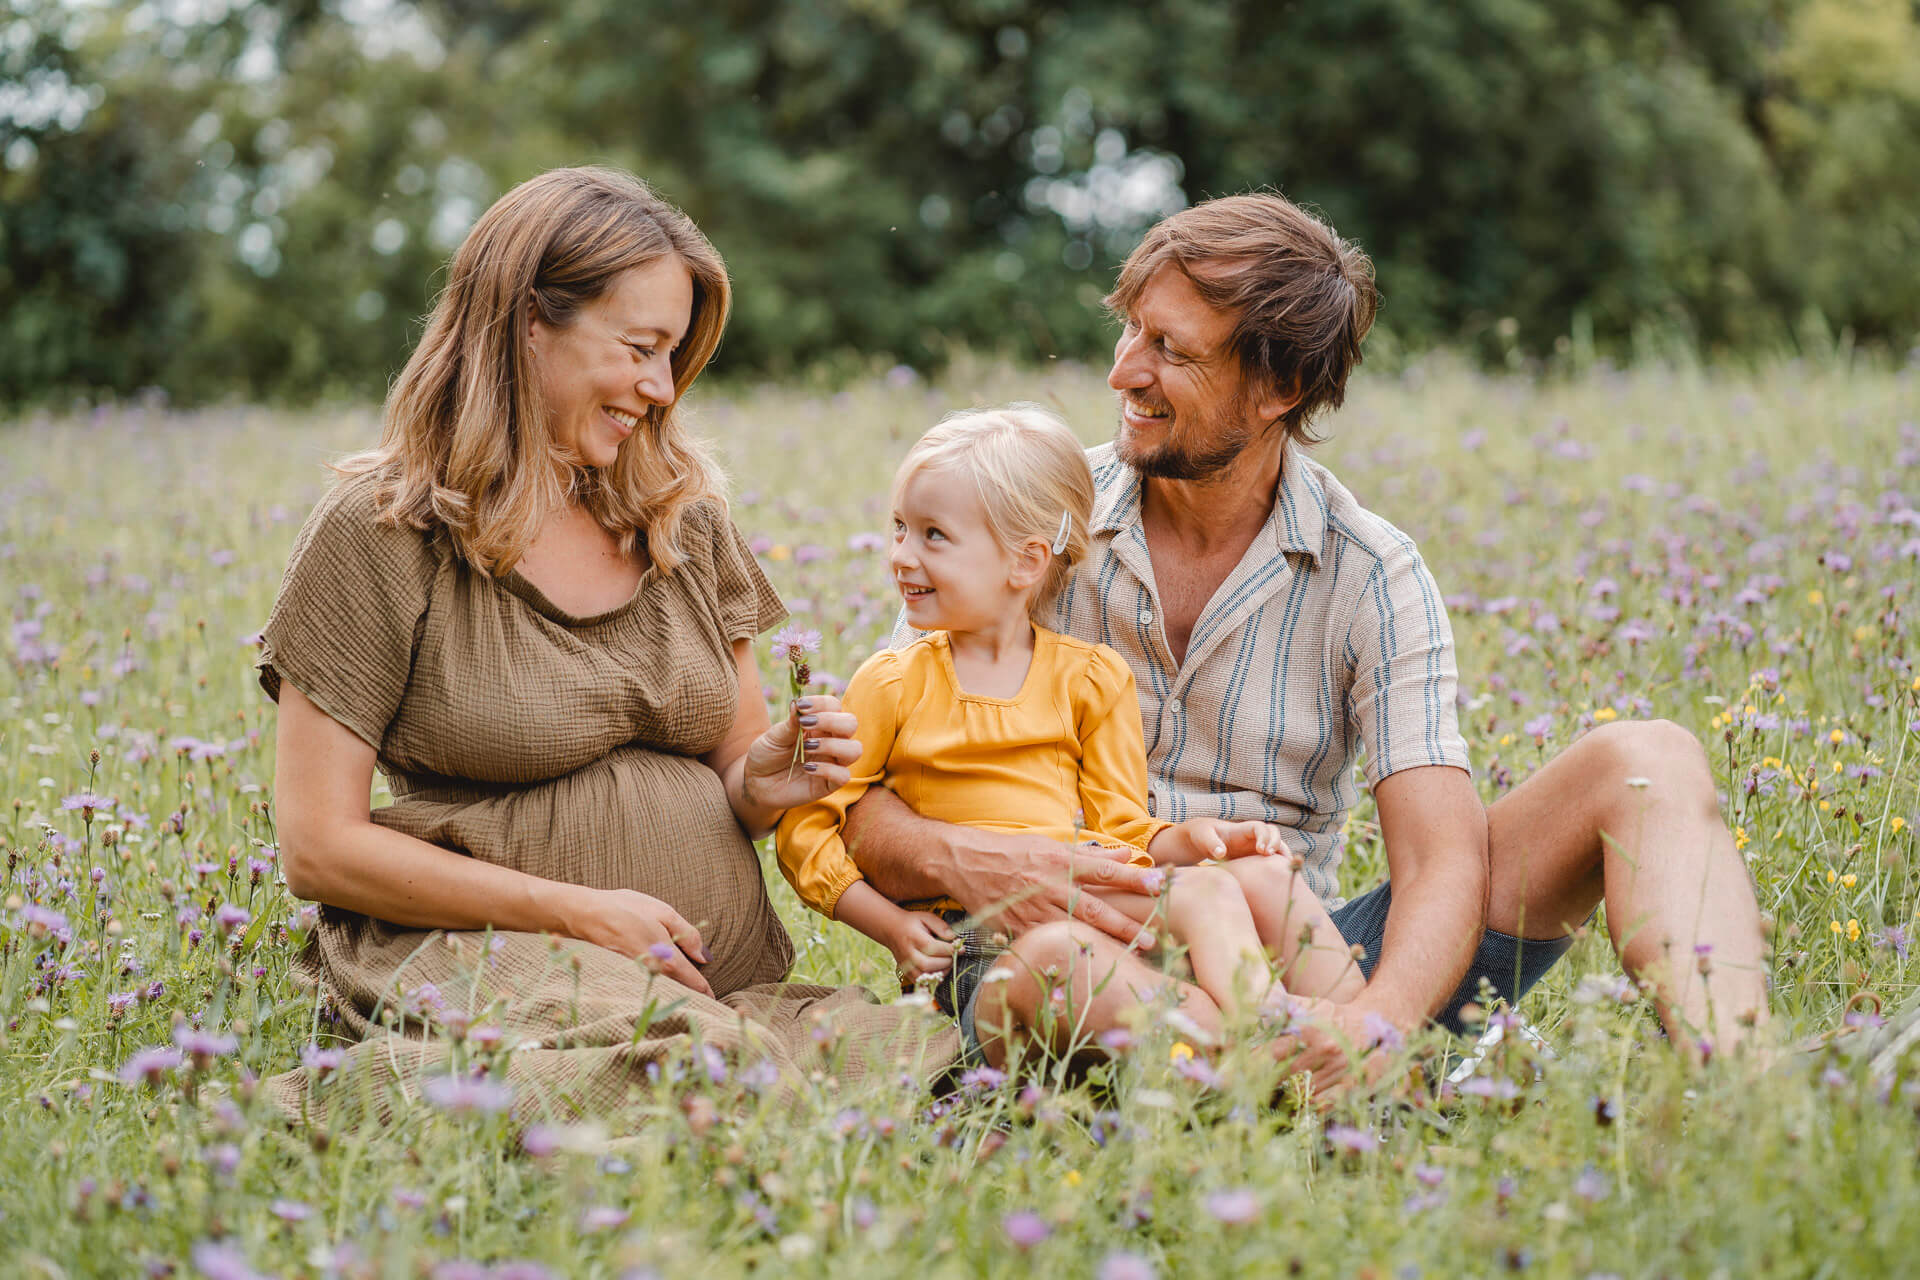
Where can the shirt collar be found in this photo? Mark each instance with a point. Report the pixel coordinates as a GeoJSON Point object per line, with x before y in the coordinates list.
{"type": "Point", "coordinates": [1297, 523]}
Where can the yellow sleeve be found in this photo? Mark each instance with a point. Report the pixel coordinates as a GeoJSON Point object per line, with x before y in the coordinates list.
{"type": "Point", "coordinates": [1113, 752]}
{"type": "Point", "coordinates": [812, 855]}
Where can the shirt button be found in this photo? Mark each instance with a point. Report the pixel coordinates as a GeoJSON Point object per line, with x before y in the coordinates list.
{"type": "Point", "coordinates": [1146, 614]}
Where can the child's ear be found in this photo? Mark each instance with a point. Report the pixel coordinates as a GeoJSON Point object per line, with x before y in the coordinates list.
{"type": "Point", "coordinates": [1029, 564]}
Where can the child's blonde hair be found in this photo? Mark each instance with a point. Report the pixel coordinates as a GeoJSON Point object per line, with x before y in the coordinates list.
{"type": "Point", "coordinates": [1032, 477]}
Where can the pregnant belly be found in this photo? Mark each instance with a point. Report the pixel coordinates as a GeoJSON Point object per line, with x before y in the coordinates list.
{"type": "Point", "coordinates": [635, 819]}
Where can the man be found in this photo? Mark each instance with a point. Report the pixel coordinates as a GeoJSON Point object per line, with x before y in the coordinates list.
{"type": "Point", "coordinates": [1276, 629]}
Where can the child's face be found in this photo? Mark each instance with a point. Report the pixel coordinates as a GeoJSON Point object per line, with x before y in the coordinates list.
{"type": "Point", "coordinates": [950, 570]}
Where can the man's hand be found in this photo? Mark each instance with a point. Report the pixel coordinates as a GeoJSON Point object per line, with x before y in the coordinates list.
{"type": "Point", "coordinates": [1343, 1046]}
{"type": "Point", "coordinates": [1019, 882]}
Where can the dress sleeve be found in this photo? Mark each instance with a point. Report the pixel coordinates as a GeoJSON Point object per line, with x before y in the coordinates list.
{"type": "Point", "coordinates": [748, 603]}
{"type": "Point", "coordinates": [343, 626]}
{"type": "Point", "coordinates": [1113, 752]}
{"type": "Point", "coordinates": [813, 857]}
{"type": "Point", "coordinates": [1399, 650]}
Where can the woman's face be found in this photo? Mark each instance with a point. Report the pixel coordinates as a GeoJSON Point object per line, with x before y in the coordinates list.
{"type": "Point", "coordinates": [599, 375]}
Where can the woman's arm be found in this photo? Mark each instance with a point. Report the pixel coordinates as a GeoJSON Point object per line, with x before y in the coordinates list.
{"type": "Point", "coordinates": [755, 762]}
{"type": "Point", "coordinates": [331, 851]}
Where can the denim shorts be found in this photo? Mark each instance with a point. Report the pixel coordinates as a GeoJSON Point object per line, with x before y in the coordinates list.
{"type": "Point", "coordinates": [1510, 965]}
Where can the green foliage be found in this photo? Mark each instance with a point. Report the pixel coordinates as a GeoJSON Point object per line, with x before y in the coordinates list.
{"type": "Point", "coordinates": [257, 202]}
{"type": "Point", "coordinates": [1756, 536]}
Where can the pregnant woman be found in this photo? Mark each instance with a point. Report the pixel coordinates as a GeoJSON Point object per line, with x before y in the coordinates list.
{"type": "Point", "coordinates": [529, 609]}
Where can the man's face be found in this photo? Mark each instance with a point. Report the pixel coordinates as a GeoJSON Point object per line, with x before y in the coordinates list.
{"type": "Point", "coordinates": [1184, 411]}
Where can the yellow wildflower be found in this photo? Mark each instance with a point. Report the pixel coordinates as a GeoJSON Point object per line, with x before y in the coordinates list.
{"type": "Point", "coordinates": [1816, 597]}
{"type": "Point", "coordinates": [1825, 805]}
{"type": "Point", "coordinates": [1848, 880]}
{"type": "Point", "coordinates": [1740, 838]}
{"type": "Point", "coordinates": [1506, 739]}
{"type": "Point", "coordinates": [1836, 926]}
{"type": "Point", "coordinates": [1771, 762]}
{"type": "Point", "coordinates": [1898, 824]}
{"type": "Point", "coordinates": [779, 551]}
{"type": "Point", "coordinates": [1073, 1178]}
{"type": "Point", "coordinates": [1836, 737]}
{"type": "Point", "coordinates": [1604, 714]}
{"type": "Point", "coordinates": [1836, 766]}
{"type": "Point", "coordinates": [1181, 1052]}
{"type": "Point", "coordinates": [1853, 930]}
{"type": "Point", "coordinates": [1832, 875]}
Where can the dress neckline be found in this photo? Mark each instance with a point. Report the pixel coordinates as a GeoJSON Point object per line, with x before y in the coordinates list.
{"type": "Point", "coordinates": [518, 584]}
{"type": "Point", "coordinates": [1042, 638]}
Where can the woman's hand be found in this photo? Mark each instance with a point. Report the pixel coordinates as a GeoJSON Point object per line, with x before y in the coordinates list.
{"type": "Point", "coordinates": [641, 928]}
{"type": "Point", "coordinates": [922, 946]}
{"type": "Point", "coordinates": [775, 779]}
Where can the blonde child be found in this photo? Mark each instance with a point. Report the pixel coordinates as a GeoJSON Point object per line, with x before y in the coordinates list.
{"type": "Point", "coordinates": [992, 721]}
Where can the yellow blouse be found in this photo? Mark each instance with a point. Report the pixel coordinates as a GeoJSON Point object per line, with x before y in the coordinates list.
{"type": "Point", "coordinates": [1064, 758]}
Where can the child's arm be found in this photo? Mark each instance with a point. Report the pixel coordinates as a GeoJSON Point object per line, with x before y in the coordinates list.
{"type": "Point", "coordinates": [1113, 752]}
{"type": "Point", "coordinates": [813, 857]}
{"type": "Point", "coordinates": [921, 942]}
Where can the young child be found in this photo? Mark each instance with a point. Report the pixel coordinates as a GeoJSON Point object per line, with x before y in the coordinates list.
{"type": "Point", "coordinates": [993, 721]}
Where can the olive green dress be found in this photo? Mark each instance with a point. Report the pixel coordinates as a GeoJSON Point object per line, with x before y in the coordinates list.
{"type": "Point", "coordinates": [568, 748]}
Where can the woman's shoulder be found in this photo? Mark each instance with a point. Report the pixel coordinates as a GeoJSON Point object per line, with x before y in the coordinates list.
{"type": "Point", "coordinates": [352, 528]}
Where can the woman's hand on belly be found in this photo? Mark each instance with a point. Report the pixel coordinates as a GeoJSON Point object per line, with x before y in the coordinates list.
{"type": "Point", "coordinates": [637, 926]}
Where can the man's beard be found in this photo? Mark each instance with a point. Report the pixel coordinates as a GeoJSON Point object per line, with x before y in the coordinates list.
{"type": "Point", "coordinates": [1181, 459]}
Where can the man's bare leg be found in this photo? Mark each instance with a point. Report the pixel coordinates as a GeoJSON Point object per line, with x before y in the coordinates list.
{"type": "Point", "coordinates": [1627, 815]}
{"type": "Point", "coordinates": [1072, 983]}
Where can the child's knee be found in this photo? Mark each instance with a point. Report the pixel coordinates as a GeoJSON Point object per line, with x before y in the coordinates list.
{"type": "Point", "coordinates": [1271, 879]}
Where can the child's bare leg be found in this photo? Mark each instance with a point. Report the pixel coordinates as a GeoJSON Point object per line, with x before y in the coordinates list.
{"type": "Point", "coordinates": [1205, 910]}
{"type": "Point", "coordinates": [1314, 959]}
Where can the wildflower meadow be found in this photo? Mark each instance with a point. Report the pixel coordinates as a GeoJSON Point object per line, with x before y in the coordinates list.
{"type": "Point", "coordinates": [1735, 550]}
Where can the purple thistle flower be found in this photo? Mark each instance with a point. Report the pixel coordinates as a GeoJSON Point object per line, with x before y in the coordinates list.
{"type": "Point", "coordinates": [86, 802]}
{"type": "Point", "coordinates": [149, 1065]}
{"type": "Point", "coordinates": [41, 921]}
{"type": "Point", "coordinates": [981, 1079]}
{"type": "Point", "coordinates": [203, 1046]}
{"type": "Point", "coordinates": [223, 1262]}
{"type": "Point", "coordinates": [1894, 936]}
{"type": "Point", "coordinates": [1498, 1088]}
{"type": "Point", "coordinates": [460, 1269]}
{"type": "Point", "coordinates": [1592, 1185]}
{"type": "Point", "coordinates": [1025, 1229]}
{"type": "Point", "coordinates": [520, 1270]}
{"type": "Point", "coordinates": [1121, 1265]}
{"type": "Point", "coordinates": [866, 542]}
{"type": "Point", "coordinates": [603, 1217]}
{"type": "Point", "coordinates": [232, 917]}
{"type": "Point", "coordinates": [1347, 1140]}
{"type": "Point", "coordinates": [1233, 1207]}
{"type": "Point", "coordinates": [290, 1210]}
{"type": "Point", "coordinates": [1540, 728]}
{"type": "Point", "coordinates": [1198, 1070]}
{"type": "Point", "coordinates": [791, 640]}
{"type": "Point", "coordinates": [322, 1062]}
{"type": "Point", "coordinates": [467, 1095]}
{"type": "Point", "coordinates": [1382, 1034]}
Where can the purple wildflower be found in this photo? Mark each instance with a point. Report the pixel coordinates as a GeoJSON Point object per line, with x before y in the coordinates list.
{"type": "Point", "coordinates": [602, 1217]}
{"type": "Point", "coordinates": [203, 1046]}
{"type": "Point", "coordinates": [1592, 1185]}
{"type": "Point", "coordinates": [467, 1095]}
{"type": "Point", "coordinates": [322, 1062]}
{"type": "Point", "coordinates": [1121, 1265]}
{"type": "Point", "coordinates": [460, 1269]}
{"type": "Point", "coordinates": [1025, 1229]}
{"type": "Point", "coordinates": [1234, 1207]}
{"type": "Point", "coordinates": [232, 917]}
{"type": "Point", "coordinates": [149, 1065]}
{"type": "Point", "coordinates": [223, 1262]}
{"type": "Point", "coordinates": [86, 802]}
{"type": "Point", "coordinates": [1894, 936]}
{"type": "Point", "coordinates": [1347, 1140]}
{"type": "Point", "coordinates": [788, 641]}
{"type": "Point", "coordinates": [290, 1210]}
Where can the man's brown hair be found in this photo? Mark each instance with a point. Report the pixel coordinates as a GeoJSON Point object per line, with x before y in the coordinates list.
{"type": "Point", "coordinates": [1301, 297]}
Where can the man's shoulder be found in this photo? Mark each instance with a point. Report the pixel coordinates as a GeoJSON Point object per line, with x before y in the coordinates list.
{"type": "Point", "coordinates": [1354, 525]}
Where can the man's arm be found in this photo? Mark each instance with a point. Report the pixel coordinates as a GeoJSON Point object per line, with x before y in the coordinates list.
{"type": "Point", "coordinates": [908, 857]}
{"type": "Point", "coordinates": [1436, 835]}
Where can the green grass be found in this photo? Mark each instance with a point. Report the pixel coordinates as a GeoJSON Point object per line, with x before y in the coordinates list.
{"type": "Point", "coordinates": [140, 550]}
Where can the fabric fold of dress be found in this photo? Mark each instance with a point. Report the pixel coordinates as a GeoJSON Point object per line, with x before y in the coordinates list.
{"type": "Point", "coordinates": [568, 748]}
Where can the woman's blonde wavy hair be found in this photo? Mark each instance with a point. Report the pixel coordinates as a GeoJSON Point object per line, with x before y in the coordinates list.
{"type": "Point", "coordinates": [467, 444]}
{"type": "Point", "coordinates": [1032, 478]}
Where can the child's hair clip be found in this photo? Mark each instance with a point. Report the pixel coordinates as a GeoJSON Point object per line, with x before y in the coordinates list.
{"type": "Point", "coordinates": [1060, 538]}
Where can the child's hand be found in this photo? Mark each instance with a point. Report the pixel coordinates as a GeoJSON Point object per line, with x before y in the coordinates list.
{"type": "Point", "coordinates": [1214, 838]}
{"type": "Point", "coordinates": [922, 946]}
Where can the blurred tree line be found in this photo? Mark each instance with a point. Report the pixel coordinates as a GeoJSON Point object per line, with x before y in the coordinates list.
{"type": "Point", "coordinates": [255, 197]}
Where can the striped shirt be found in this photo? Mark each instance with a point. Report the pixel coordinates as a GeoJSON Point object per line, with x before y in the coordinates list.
{"type": "Point", "coordinates": [1327, 644]}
